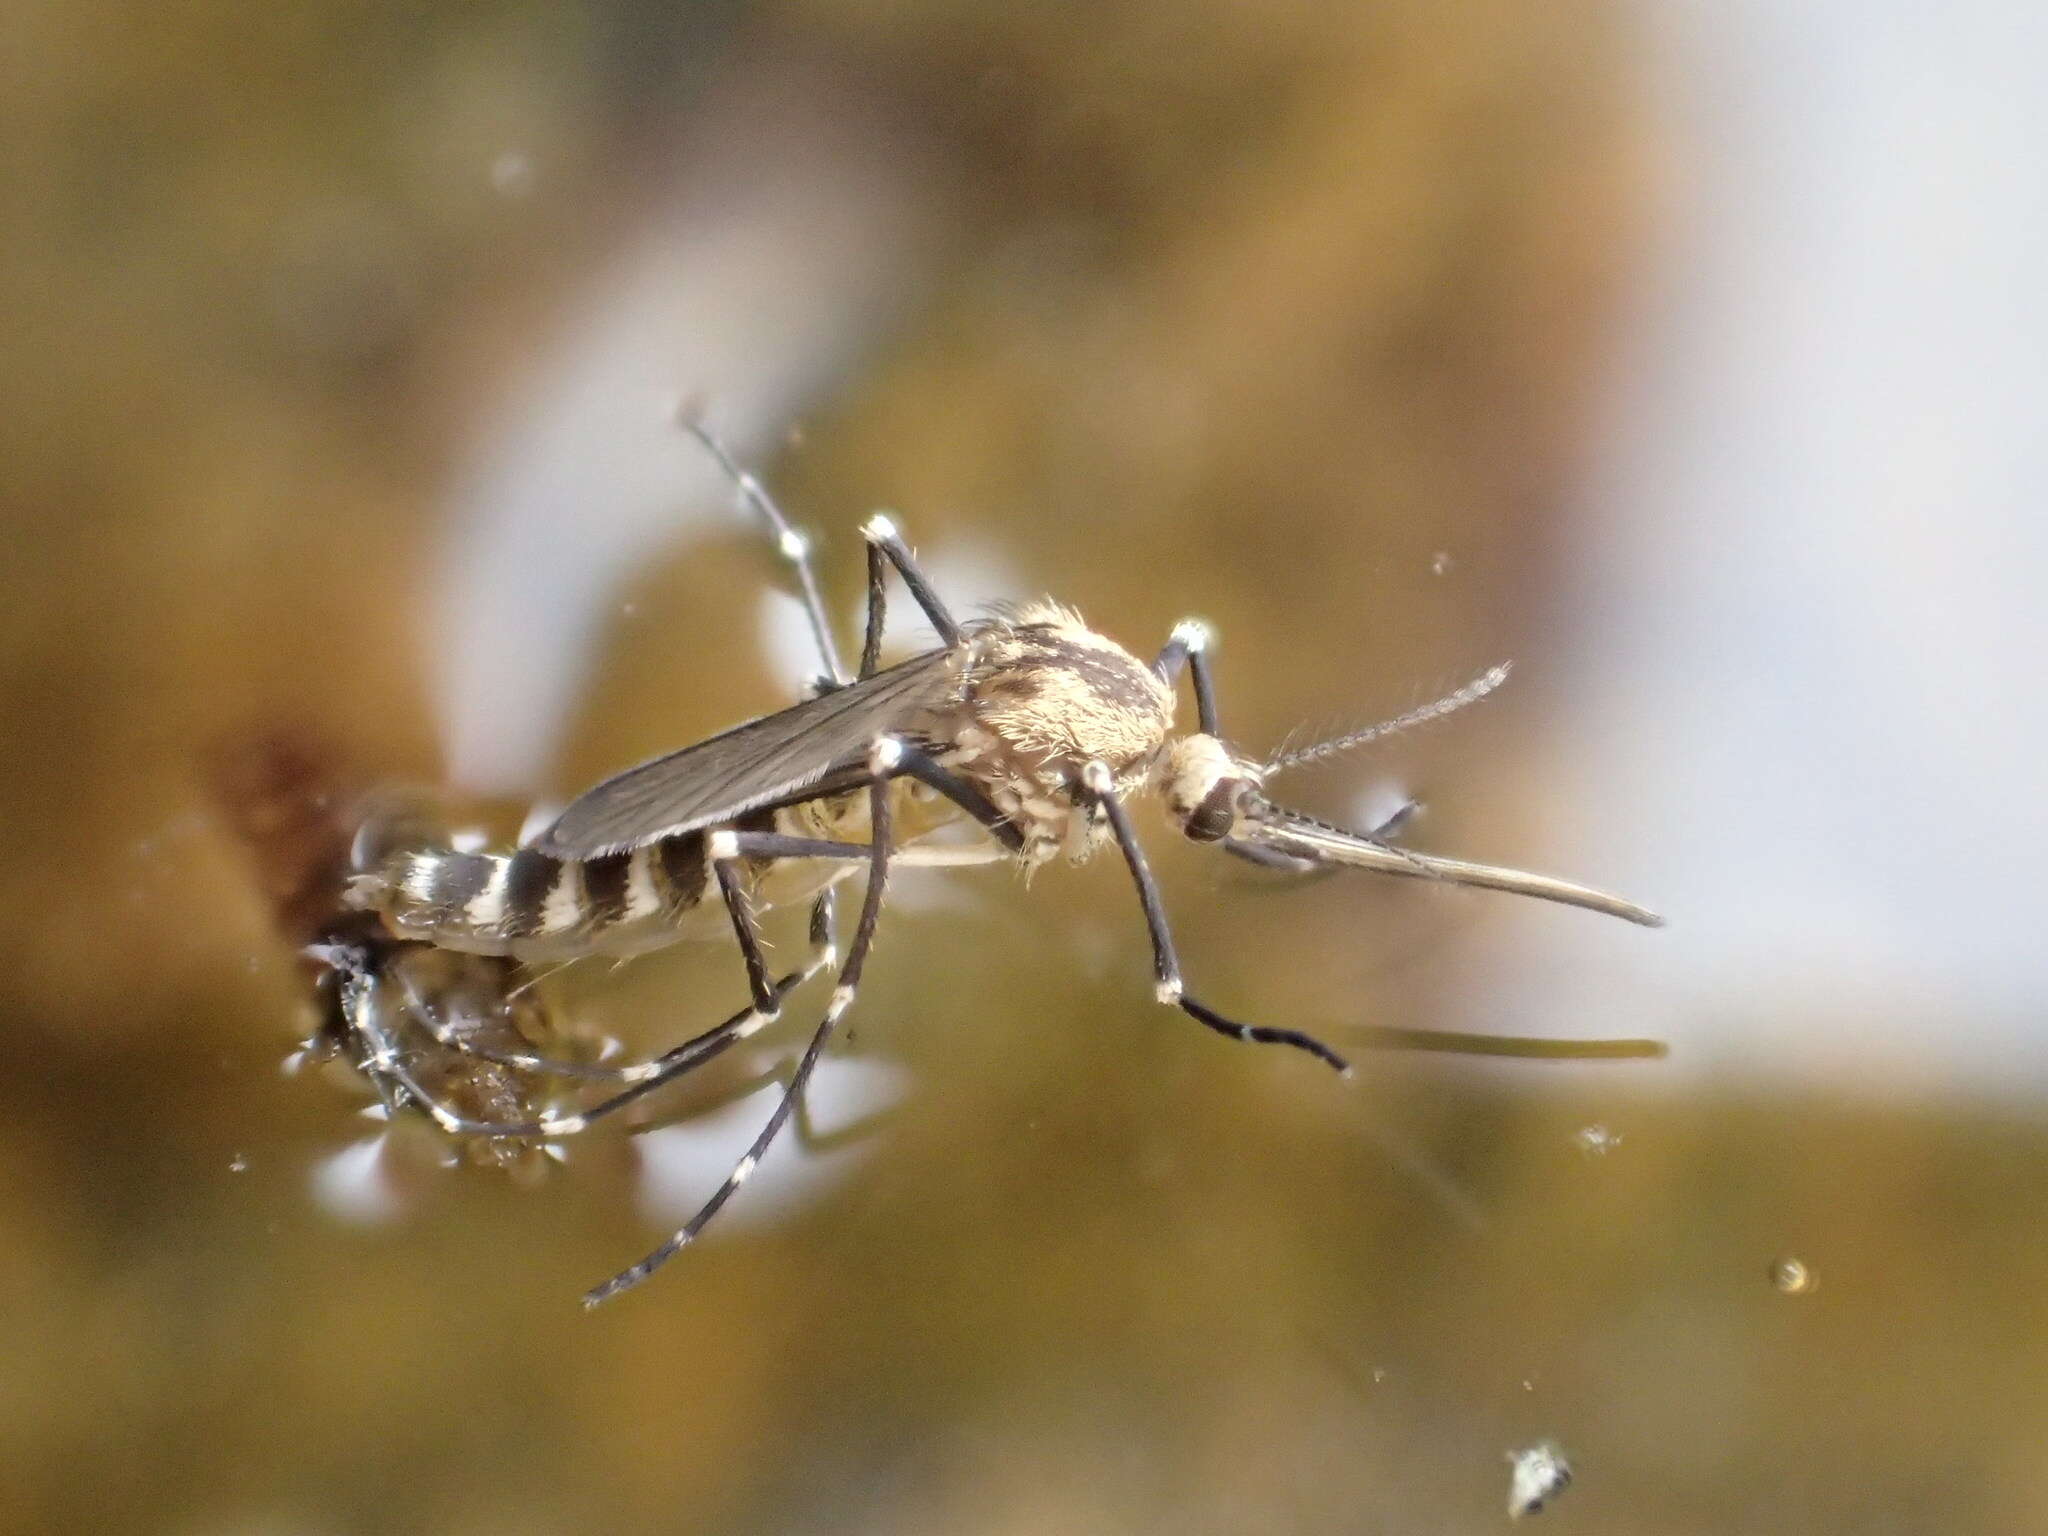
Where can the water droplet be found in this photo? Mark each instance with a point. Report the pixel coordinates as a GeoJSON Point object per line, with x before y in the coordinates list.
{"type": "Point", "coordinates": [1792, 1277]}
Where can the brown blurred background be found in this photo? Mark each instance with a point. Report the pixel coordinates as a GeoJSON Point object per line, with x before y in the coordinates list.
{"type": "Point", "coordinates": [343, 335]}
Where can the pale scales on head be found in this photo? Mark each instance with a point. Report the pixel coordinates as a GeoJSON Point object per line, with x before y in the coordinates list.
{"type": "Point", "coordinates": [1192, 766]}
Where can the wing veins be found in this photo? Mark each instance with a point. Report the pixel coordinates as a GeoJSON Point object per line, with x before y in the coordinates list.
{"type": "Point", "coordinates": [743, 768]}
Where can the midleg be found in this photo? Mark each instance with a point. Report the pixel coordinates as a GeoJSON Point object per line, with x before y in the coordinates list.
{"type": "Point", "coordinates": [1100, 785]}
{"type": "Point", "coordinates": [883, 763]}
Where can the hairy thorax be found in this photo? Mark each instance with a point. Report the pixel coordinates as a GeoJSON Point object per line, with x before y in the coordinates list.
{"type": "Point", "coordinates": [1045, 696]}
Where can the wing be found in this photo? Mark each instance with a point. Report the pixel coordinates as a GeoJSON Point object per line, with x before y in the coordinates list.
{"type": "Point", "coordinates": [751, 765]}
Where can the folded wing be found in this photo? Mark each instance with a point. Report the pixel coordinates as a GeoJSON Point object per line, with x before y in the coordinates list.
{"type": "Point", "coordinates": [752, 765]}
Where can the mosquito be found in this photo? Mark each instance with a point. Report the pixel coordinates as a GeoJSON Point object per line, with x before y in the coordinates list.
{"type": "Point", "coordinates": [1031, 729]}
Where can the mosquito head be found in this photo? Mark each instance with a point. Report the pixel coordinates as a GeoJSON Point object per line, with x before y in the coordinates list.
{"type": "Point", "coordinates": [1218, 796]}
{"type": "Point", "coordinates": [1208, 788]}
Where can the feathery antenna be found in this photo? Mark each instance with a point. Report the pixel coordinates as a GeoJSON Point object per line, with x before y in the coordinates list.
{"type": "Point", "coordinates": [1471, 693]}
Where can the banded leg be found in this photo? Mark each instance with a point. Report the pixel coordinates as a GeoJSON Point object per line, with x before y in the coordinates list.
{"type": "Point", "coordinates": [1100, 786]}
{"type": "Point", "coordinates": [727, 845]}
{"type": "Point", "coordinates": [911, 763]}
{"type": "Point", "coordinates": [883, 762]}
{"type": "Point", "coordinates": [885, 544]}
{"type": "Point", "coordinates": [1188, 646]}
{"type": "Point", "coordinates": [886, 548]}
{"type": "Point", "coordinates": [795, 547]}
{"type": "Point", "coordinates": [792, 545]}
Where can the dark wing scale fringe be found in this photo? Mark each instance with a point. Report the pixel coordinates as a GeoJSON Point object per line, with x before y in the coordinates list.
{"type": "Point", "coordinates": [752, 765]}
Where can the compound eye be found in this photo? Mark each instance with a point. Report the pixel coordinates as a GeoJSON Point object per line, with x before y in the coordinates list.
{"type": "Point", "coordinates": [1213, 819]}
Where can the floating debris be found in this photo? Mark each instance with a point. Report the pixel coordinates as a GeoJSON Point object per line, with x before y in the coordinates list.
{"type": "Point", "coordinates": [1596, 1140]}
{"type": "Point", "coordinates": [1541, 1474]}
{"type": "Point", "coordinates": [1792, 1277]}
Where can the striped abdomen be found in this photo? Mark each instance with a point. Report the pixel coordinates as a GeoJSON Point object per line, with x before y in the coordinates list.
{"type": "Point", "coordinates": [534, 906]}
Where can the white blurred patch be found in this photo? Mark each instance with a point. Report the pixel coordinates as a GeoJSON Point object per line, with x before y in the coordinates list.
{"type": "Point", "coordinates": [1809, 625]}
{"type": "Point", "coordinates": [1377, 801]}
{"type": "Point", "coordinates": [791, 650]}
{"type": "Point", "coordinates": [939, 890]}
{"type": "Point", "coordinates": [355, 1187]}
{"type": "Point", "coordinates": [539, 817]}
{"type": "Point", "coordinates": [790, 227]}
{"type": "Point", "coordinates": [1596, 1140]}
{"type": "Point", "coordinates": [512, 174]}
{"type": "Point", "coordinates": [1539, 1474]}
{"type": "Point", "coordinates": [681, 1165]}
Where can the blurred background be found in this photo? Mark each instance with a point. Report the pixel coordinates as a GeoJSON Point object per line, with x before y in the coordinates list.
{"type": "Point", "coordinates": [1689, 356]}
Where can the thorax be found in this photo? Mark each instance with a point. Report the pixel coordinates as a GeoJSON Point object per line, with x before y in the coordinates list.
{"type": "Point", "coordinates": [1044, 696]}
